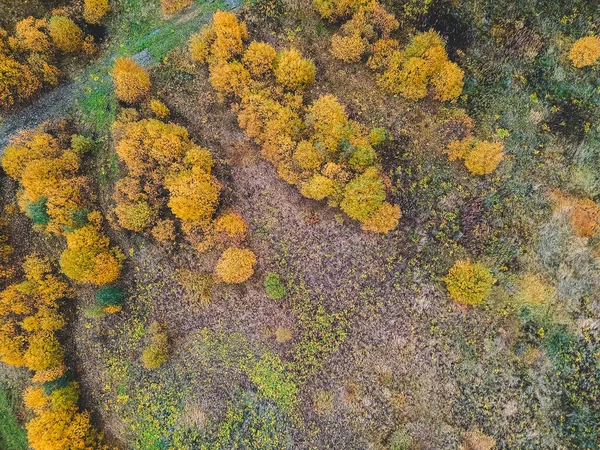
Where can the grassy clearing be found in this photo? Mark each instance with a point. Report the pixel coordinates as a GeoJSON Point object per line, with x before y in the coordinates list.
{"type": "Point", "coordinates": [138, 26]}
{"type": "Point", "coordinates": [12, 434]}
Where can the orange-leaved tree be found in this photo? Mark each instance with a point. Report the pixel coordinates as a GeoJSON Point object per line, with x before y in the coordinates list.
{"type": "Point", "coordinates": [132, 83]}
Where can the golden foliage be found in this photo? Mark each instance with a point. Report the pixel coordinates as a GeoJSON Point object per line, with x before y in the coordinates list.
{"type": "Point", "coordinates": [95, 10]}
{"type": "Point", "coordinates": [35, 399]}
{"type": "Point", "coordinates": [480, 157]}
{"type": "Point", "coordinates": [230, 228]}
{"type": "Point", "coordinates": [448, 82]}
{"type": "Point", "coordinates": [30, 35]}
{"type": "Point", "coordinates": [62, 429]}
{"type": "Point", "coordinates": [135, 216]}
{"type": "Point", "coordinates": [173, 6]}
{"type": "Point", "coordinates": [328, 118]}
{"type": "Point", "coordinates": [194, 194]}
{"type": "Point", "coordinates": [229, 77]}
{"type": "Point", "coordinates": [88, 257]}
{"type": "Point", "coordinates": [307, 156]}
{"type": "Point", "coordinates": [132, 83]}
{"type": "Point", "coordinates": [585, 51]}
{"type": "Point", "coordinates": [43, 351]}
{"type": "Point", "coordinates": [200, 43]}
{"type": "Point", "coordinates": [159, 109]}
{"type": "Point", "coordinates": [336, 9]}
{"type": "Point", "coordinates": [484, 157]}
{"type": "Point", "coordinates": [469, 283]}
{"type": "Point", "coordinates": [363, 195]}
{"type": "Point", "coordinates": [292, 71]}
{"type": "Point", "coordinates": [384, 220]}
{"type": "Point", "coordinates": [422, 67]}
{"type": "Point", "coordinates": [164, 230]}
{"type": "Point", "coordinates": [259, 58]}
{"type": "Point", "coordinates": [229, 36]}
{"type": "Point", "coordinates": [65, 34]}
{"type": "Point", "coordinates": [235, 265]}
{"type": "Point", "coordinates": [17, 82]}
{"type": "Point", "coordinates": [348, 48]}
{"type": "Point", "coordinates": [383, 50]}
{"type": "Point", "coordinates": [318, 187]}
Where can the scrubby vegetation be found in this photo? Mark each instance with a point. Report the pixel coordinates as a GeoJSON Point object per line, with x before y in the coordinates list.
{"type": "Point", "coordinates": [303, 224]}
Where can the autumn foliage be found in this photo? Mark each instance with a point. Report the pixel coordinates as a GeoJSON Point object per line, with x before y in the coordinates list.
{"type": "Point", "coordinates": [53, 194]}
{"type": "Point", "coordinates": [95, 10]}
{"type": "Point", "coordinates": [65, 34]}
{"type": "Point", "coordinates": [421, 68]}
{"type": "Point", "coordinates": [317, 148]}
{"type": "Point", "coordinates": [29, 318]}
{"type": "Point", "coordinates": [469, 283]}
{"type": "Point", "coordinates": [132, 83]}
{"type": "Point", "coordinates": [168, 174]}
{"type": "Point", "coordinates": [585, 51]}
{"type": "Point", "coordinates": [173, 6]}
{"type": "Point", "coordinates": [236, 265]}
{"type": "Point", "coordinates": [479, 157]}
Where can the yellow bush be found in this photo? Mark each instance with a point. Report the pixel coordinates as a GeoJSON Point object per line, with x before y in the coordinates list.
{"type": "Point", "coordinates": [200, 43]}
{"type": "Point", "coordinates": [259, 58]}
{"type": "Point", "coordinates": [307, 156]}
{"type": "Point", "coordinates": [173, 6]}
{"type": "Point", "coordinates": [336, 9]}
{"type": "Point", "coordinates": [348, 48]}
{"type": "Point", "coordinates": [484, 157]}
{"type": "Point", "coordinates": [229, 78]}
{"type": "Point", "coordinates": [159, 109]}
{"type": "Point", "coordinates": [412, 80]}
{"type": "Point", "coordinates": [318, 187]}
{"type": "Point", "coordinates": [194, 194]}
{"type": "Point", "coordinates": [164, 230]}
{"type": "Point", "coordinates": [88, 257]}
{"type": "Point", "coordinates": [363, 195]}
{"type": "Point", "coordinates": [132, 83]}
{"type": "Point", "coordinates": [235, 265]}
{"type": "Point", "coordinates": [448, 83]}
{"type": "Point", "coordinates": [292, 71]}
{"type": "Point", "coordinates": [230, 228]}
{"type": "Point", "coordinates": [328, 118]}
{"type": "Point", "coordinates": [35, 399]}
{"type": "Point", "coordinates": [30, 36]}
{"type": "Point", "coordinates": [60, 429]}
{"type": "Point", "coordinates": [67, 36]}
{"type": "Point", "coordinates": [17, 83]}
{"type": "Point", "coordinates": [43, 351]}
{"type": "Point", "coordinates": [469, 283]}
{"type": "Point", "coordinates": [229, 36]}
{"type": "Point", "coordinates": [135, 216]}
{"type": "Point", "coordinates": [585, 51]}
{"type": "Point", "coordinates": [95, 10]}
{"type": "Point", "coordinates": [383, 50]}
{"type": "Point", "coordinates": [383, 220]}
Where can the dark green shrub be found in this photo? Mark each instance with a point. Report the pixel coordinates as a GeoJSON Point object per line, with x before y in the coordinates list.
{"type": "Point", "coordinates": [59, 383]}
{"type": "Point", "coordinates": [109, 296]}
{"type": "Point", "coordinates": [38, 212]}
{"type": "Point", "coordinates": [274, 286]}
